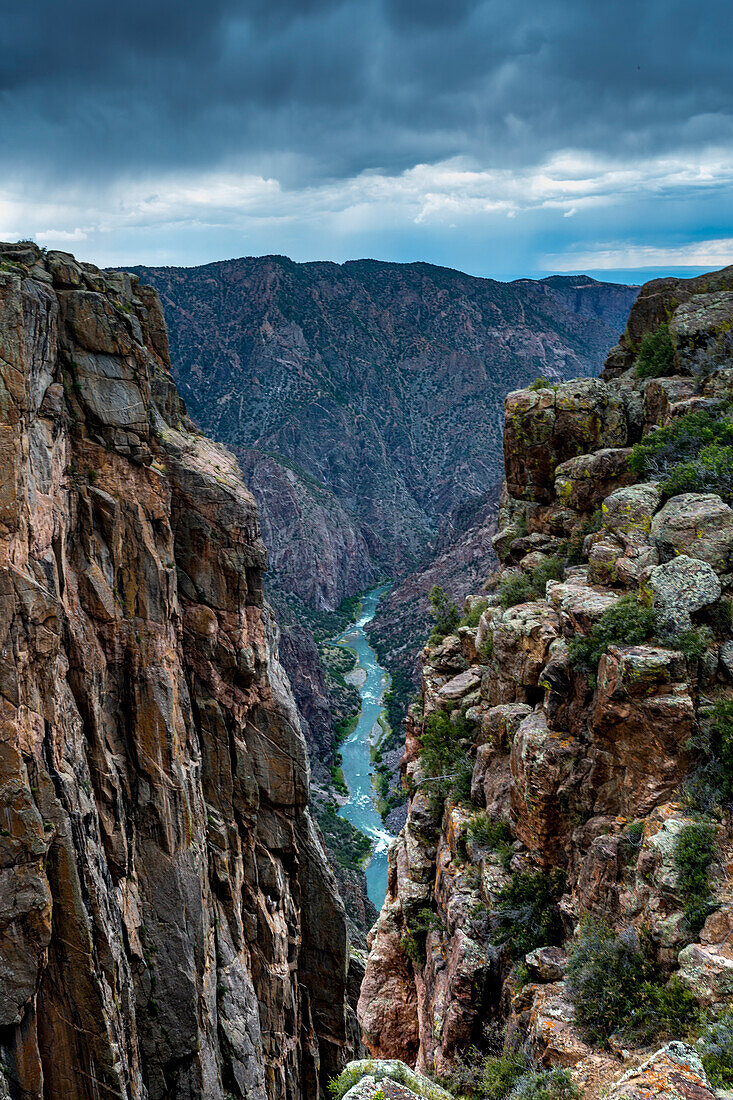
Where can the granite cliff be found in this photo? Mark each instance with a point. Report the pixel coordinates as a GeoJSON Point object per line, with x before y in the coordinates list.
{"type": "Point", "coordinates": [169, 925]}
{"type": "Point", "coordinates": [559, 917]}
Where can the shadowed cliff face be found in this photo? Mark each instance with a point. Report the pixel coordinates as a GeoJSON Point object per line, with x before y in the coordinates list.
{"type": "Point", "coordinates": [365, 399]}
{"type": "Point", "coordinates": [168, 923]}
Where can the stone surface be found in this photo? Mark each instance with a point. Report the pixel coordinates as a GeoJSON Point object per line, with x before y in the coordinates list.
{"type": "Point", "coordinates": [167, 914]}
{"type": "Point", "coordinates": [681, 587]}
{"type": "Point", "coordinates": [673, 1073]}
{"type": "Point", "coordinates": [699, 525]}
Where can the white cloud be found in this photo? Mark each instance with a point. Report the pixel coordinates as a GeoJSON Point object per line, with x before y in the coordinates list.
{"type": "Point", "coordinates": [711, 254]}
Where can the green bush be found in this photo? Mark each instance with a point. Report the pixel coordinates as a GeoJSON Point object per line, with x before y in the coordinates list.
{"type": "Point", "coordinates": [694, 454]}
{"type": "Point", "coordinates": [515, 589]}
{"type": "Point", "coordinates": [444, 746]}
{"type": "Point", "coordinates": [542, 383]}
{"type": "Point", "coordinates": [656, 354]}
{"type": "Point", "coordinates": [444, 612]}
{"type": "Point", "coordinates": [715, 1047]}
{"type": "Point", "coordinates": [690, 643]}
{"type": "Point", "coordinates": [711, 783]}
{"type": "Point", "coordinates": [477, 1075]}
{"type": "Point", "coordinates": [613, 984]}
{"type": "Point", "coordinates": [548, 1084]}
{"type": "Point", "coordinates": [626, 623]}
{"type": "Point", "coordinates": [494, 835]}
{"type": "Point", "coordinates": [527, 914]}
{"type": "Point", "coordinates": [471, 618]}
{"type": "Point", "coordinates": [416, 932]}
{"type": "Point", "coordinates": [525, 587]}
{"type": "Point", "coordinates": [694, 853]}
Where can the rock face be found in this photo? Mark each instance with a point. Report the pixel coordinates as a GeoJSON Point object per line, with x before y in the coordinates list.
{"type": "Point", "coordinates": [168, 923]}
{"type": "Point", "coordinates": [579, 710]}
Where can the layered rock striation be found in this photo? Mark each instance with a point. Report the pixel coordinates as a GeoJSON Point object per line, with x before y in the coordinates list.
{"type": "Point", "coordinates": [571, 746]}
{"type": "Point", "coordinates": [169, 926]}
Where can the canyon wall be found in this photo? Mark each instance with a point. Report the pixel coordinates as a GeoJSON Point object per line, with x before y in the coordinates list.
{"type": "Point", "coordinates": [569, 734]}
{"type": "Point", "coordinates": [169, 926]}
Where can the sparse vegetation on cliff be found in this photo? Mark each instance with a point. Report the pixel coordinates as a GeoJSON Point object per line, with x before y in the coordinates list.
{"type": "Point", "coordinates": [527, 915]}
{"type": "Point", "coordinates": [626, 623]}
{"type": "Point", "coordinates": [656, 354]}
{"type": "Point", "coordinates": [694, 454]}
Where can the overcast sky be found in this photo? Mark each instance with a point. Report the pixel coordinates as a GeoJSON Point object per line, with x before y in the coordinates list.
{"type": "Point", "coordinates": [502, 137]}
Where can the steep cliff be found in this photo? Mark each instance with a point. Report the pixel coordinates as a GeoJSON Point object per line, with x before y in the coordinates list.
{"type": "Point", "coordinates": [169, 926]}
{"type": "Point", "coordinates": [564, 874]}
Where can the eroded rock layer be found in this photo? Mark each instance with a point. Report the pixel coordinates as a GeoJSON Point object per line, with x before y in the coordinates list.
{"type": "Point", "coordinates": [168, 923]}
{"type": "Point", "coordinates": [567, 742]}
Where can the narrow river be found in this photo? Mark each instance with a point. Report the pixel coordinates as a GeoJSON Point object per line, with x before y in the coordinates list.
{"type": "Point", "coordinates": [357, 767]}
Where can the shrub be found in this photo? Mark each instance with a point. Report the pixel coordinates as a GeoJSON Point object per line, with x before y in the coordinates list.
{"type": "Point", "coordinates": [690, 643]}
{"type": "Point", "coordinates": [626, 623]}
{"type": "Point", "coordinates": [515, 589]}
{"type": "Point", "coordinates": [548, 1084]}
{"type": "Point", "coordinates": [444, 746]}
{"type": "Point", "coordinates": [605, 976]}
{"type": "Point", "coordinates": [524, 587]}
{"type": "Point", "coordinates": [471, 618]}
{"type": "Point", "coordinates": [711, 783]}
{"type": "Point", "coordinates": [613, 985]}
{"type": "Point", "coordinates": [487, 1074]}
{"type": "Point", "coordinates": [527, 913]}
{"type": "Point", "coordinates": [656, 354]}
{"type": "Point", "coordinates": [542, 383]}
{"type": "Point", "coordinates": [444, 612]}
{"type": "Point", "coordinates": [492, 834]}
{"type": "Point", "coordinates": [574, 550]}
{"type": "Point", "coordinates": [694, 454]}
{"type": "Point", "coordinates": [694, 852]}
{"type": "Point", "coordinates": [416, 934]}
{"type": "Point", "coordinates": [715, 1047]}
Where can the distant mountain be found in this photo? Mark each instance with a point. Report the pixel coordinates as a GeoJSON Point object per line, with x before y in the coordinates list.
{"type": "Point", "coordinates": [365, 400]}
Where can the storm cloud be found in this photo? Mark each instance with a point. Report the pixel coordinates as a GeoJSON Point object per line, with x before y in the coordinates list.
{"type": "Point", "coordinates": [296, 110]}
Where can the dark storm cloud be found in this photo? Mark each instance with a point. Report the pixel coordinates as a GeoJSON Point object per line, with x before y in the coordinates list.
{"type": "Point", "coordinates": [329, 88]}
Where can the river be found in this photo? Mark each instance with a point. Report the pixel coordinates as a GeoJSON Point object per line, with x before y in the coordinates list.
{"type": "Point", "coordinates": [355, 754]}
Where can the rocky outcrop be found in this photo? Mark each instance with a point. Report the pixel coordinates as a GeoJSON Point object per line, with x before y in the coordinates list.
{"type": "Point", "coordinates": [169, 926]}
{"type": "Point", "coordinates": [564, 744]}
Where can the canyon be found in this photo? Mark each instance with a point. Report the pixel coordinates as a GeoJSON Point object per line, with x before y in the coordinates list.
{"type": "Point", "coordinates": [170, 920]}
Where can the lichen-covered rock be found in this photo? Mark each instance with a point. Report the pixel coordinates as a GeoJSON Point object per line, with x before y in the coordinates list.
{"type": "Point", "coordinates": [582, 483]}
{"type": "Point", "coordinates": [673, 1073]}
{"type": "Point", "coordinates": [698, 525]}
{"type": "Point", "coordinates": [627, 512]}
{"type": "Point", "coordinates": [544, 428]}
{"type": "Point", "coordinates": [707, 970]}
{"type": "Point", "coordinates": [396, 1081]}
{"type": "Point", "coordinates": [702, 332]}
{"type": "Point", "coordinates": [679, 588]}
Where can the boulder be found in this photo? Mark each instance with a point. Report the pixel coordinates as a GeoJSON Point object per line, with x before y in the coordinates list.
{"type": "Point", "coordinates": [627, 513]}
{"type": "Point", "coordinates": [393, 1079]}
{"type": "Point", "coordinates": [681, 587]}
{"type": "Point", "coordinates": [673, 1073]}
{"type": "Point", "coordinates": [547, 964]}
{"type": "Point", "coordinates": [699, 525]}
{"type": "Point", "coordinates": [582, 483]}
{"type": "Point", "coordinates": [707, 971]}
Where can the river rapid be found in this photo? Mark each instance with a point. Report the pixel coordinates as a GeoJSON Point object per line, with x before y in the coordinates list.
{"type": "Point", "coordinates": [355, 751]}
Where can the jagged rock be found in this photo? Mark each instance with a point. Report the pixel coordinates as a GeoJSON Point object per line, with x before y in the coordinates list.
{"type": "Point", "coordinates": [547, 964]}
{"type": "Point", "coordinates": [702, 332]}
{"type": "Point", "coordinates": [707, 970]}
{"type": "Point", "coordinates": [542, 762]}
{"type": "Point", "coordinates": [554, 1040]}
{"type": "Point", "coordinates": [578, 603]}
{"type": "Point", "coordinates": [673, 1073]}
{"type": "Point", "coordinates": [698, 525]}
{"type": "Point", "coordinates": [522, 639]}
{"type": "Point", "coordinates": [640, 713]}
{"type": "Point", "coordinates": [395, 1079]}
{"type": "Point", "coordinates": [387, 1008]}
{"type": "Point", "coordinates": [544, 428]}
{"type": "Point", "coordinates": [681, 587]}
{"type": "Point", "coordinates": [627, 513]}
{"type": "Point", "coordinates": [582, 483]}
{"type": "Point", "coordinates": [461, 685]}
